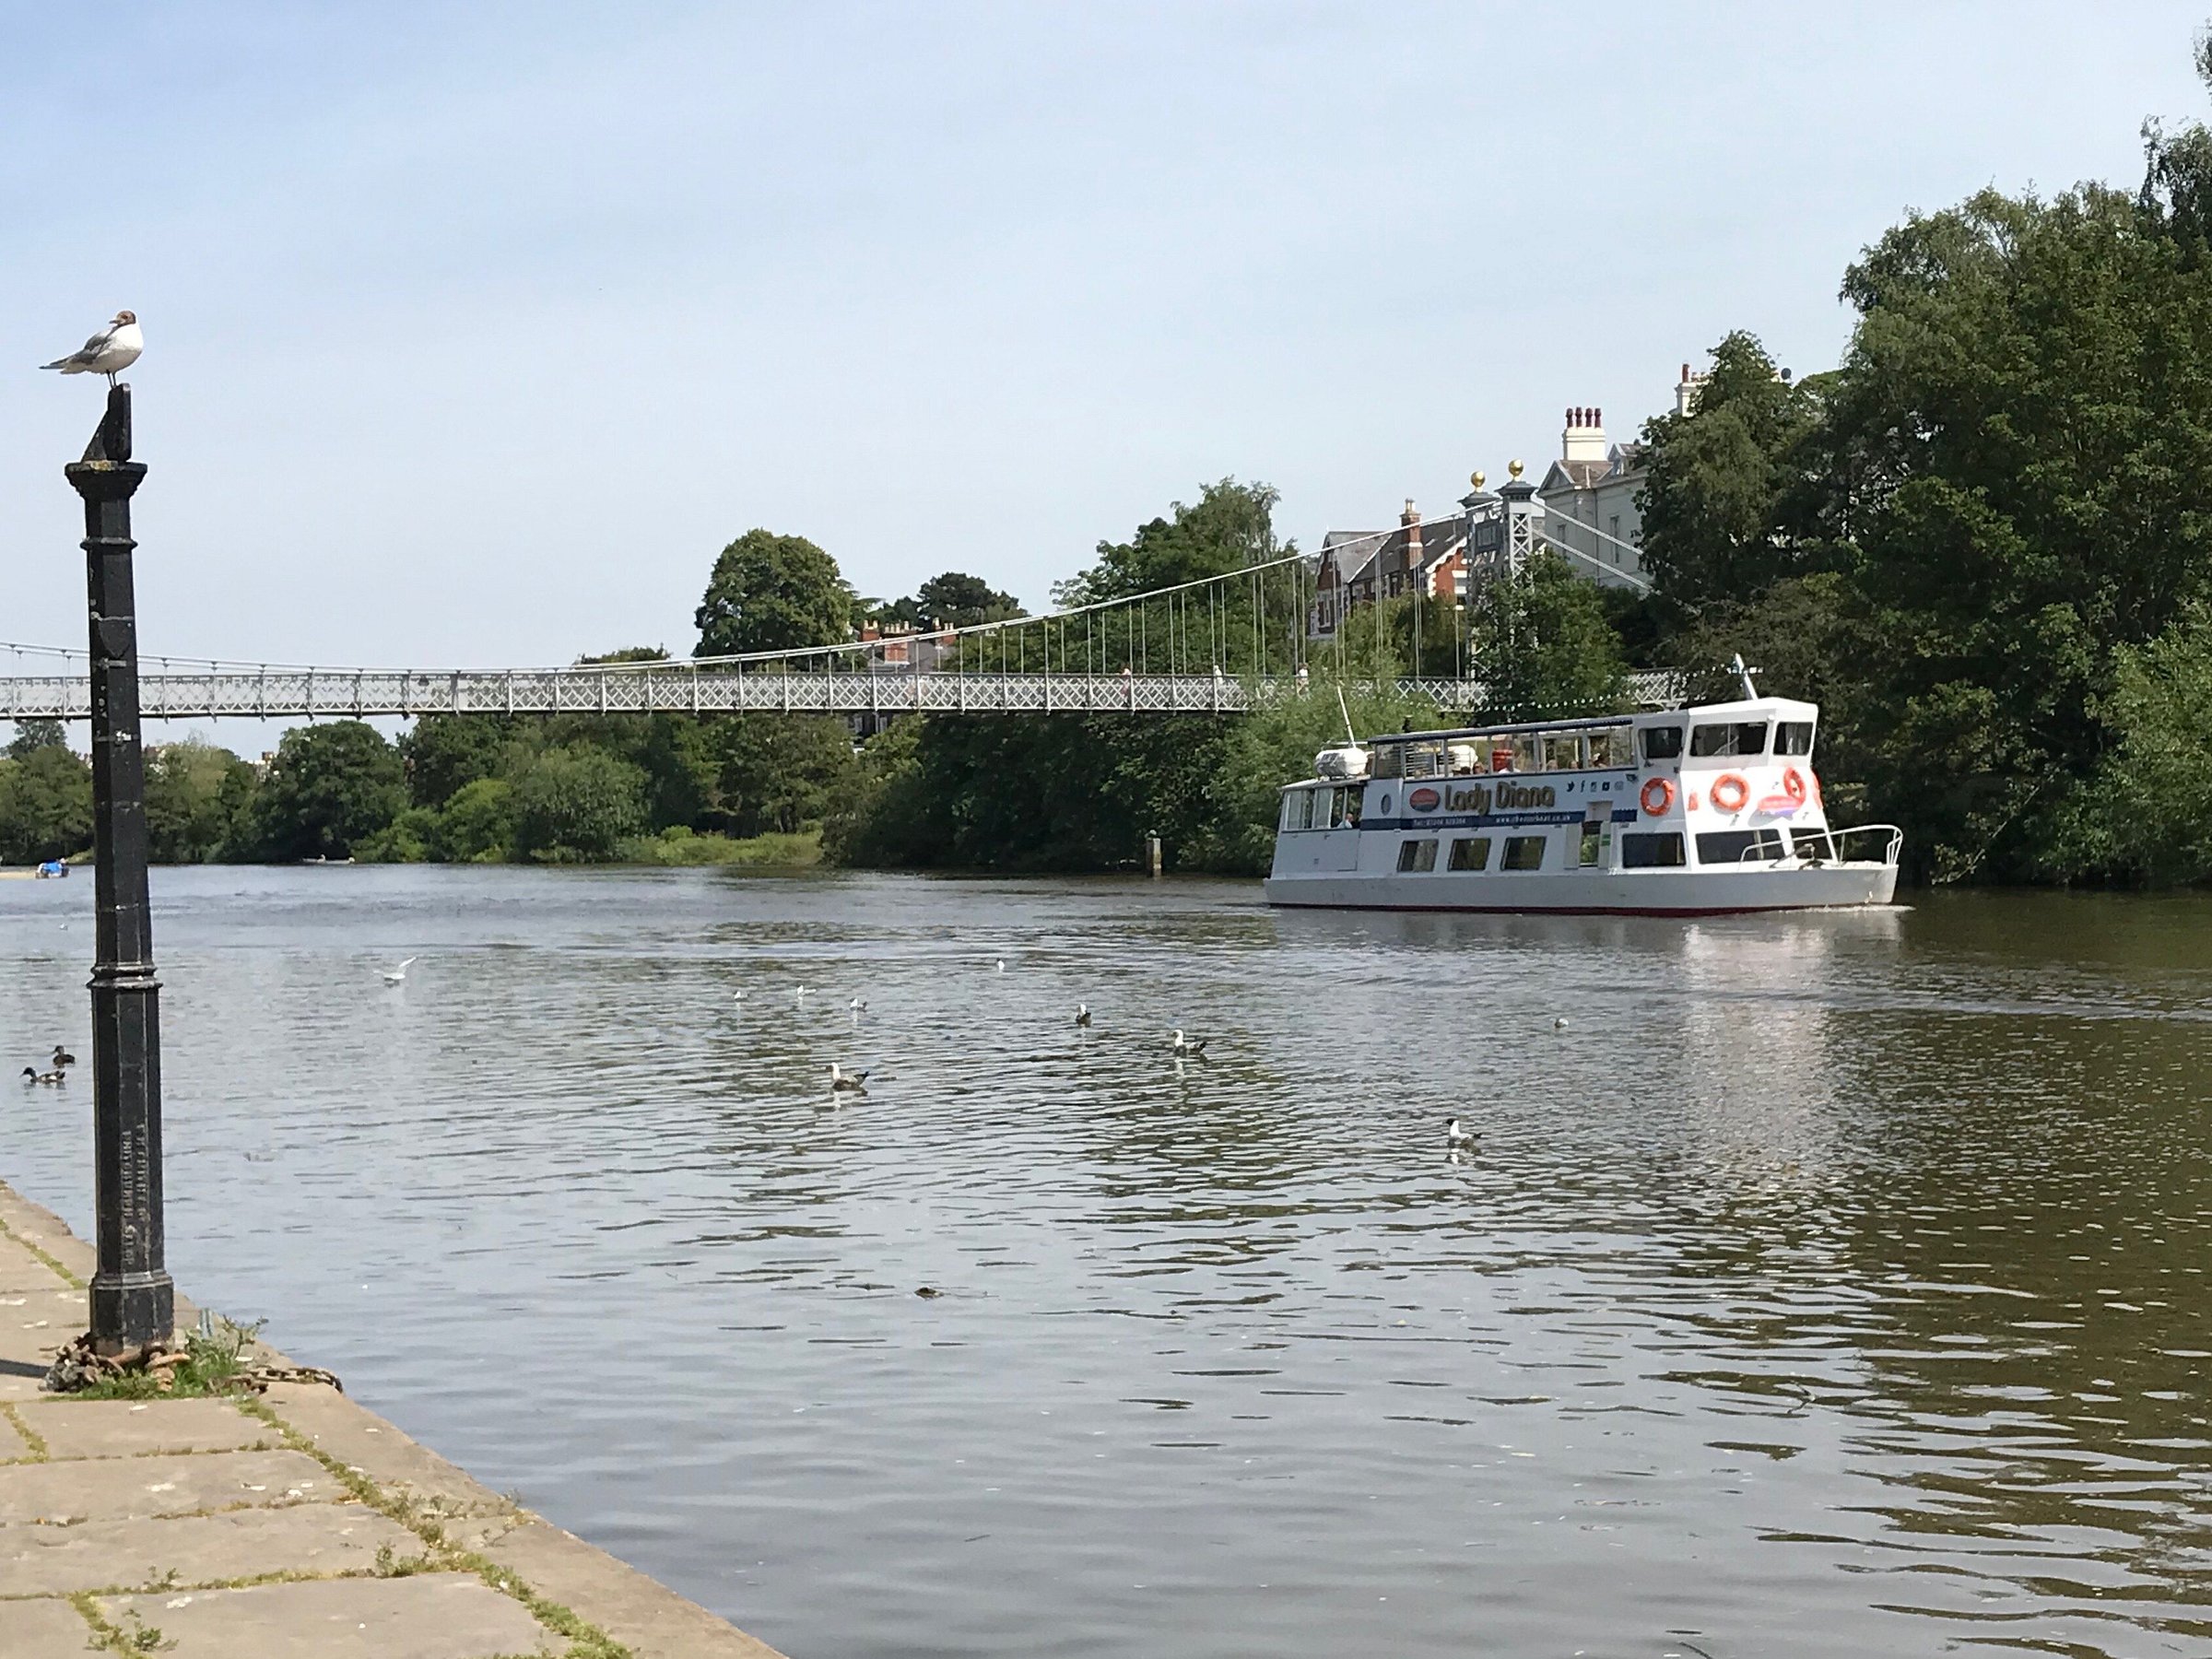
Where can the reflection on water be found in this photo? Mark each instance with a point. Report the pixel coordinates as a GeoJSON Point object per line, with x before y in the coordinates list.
{"type": "Point", "coordinates": [1829, 1283]}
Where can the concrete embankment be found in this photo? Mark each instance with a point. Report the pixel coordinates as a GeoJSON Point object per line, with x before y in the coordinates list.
{"type": "Point", "coordinates": [284, 1523]}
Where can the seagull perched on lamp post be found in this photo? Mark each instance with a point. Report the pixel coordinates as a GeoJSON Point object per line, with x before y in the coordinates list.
{"type": "Point", "coordinates": [108, 352]}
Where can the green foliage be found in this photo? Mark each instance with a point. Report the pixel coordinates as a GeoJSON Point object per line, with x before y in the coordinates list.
{"type": "Point", "coordinates": [445, 753]}
{"type": "Point", "coordinates": [1728, 484]}
{"type": "Point", "coordinates": [2147, 813]}
{"type": "Point", "coordinates": [1276, 746]}
{"type": "Point", "coordinates": [680, 847]}
{"type": "Point", "coordinates": [776, 773]}
{"type": "Point", "coordinates": [774, 593]}
{"type": "Point", "coordinates": [953, 599]}
{"type": "Point", "coordinates": [328, 787]}
{"type": "Point", "coordinates": [576, 804]}
{"type": "Point", "coordinates": [477, 824]}
{"type": "Point", "coordinates": [1544, 647]}
{"type": "Point", "coordinates": [33, 735]}
{"type": "Point", "coordinates": [45, 805]}
{"type": "Point", "coordinates": [196, 800]}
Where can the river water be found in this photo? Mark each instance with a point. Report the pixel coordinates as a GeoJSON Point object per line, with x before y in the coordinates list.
{"type": "Point", "coordinates": [1830, 1285]}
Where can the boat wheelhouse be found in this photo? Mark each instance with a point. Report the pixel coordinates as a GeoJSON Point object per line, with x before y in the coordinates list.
{"type": "Point", "coordinates": [1685, 811]}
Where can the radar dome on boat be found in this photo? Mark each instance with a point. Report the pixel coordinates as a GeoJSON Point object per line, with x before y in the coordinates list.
{"type": "Point", "coordinates": [1341, 763]}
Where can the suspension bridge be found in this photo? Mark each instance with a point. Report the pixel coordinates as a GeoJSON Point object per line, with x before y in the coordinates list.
{"type": "Point", "coordinates": [1227, 643]}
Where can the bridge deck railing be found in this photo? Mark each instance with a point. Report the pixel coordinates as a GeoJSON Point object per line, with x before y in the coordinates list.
{"type": "Point", "coordinates": [673, 688]}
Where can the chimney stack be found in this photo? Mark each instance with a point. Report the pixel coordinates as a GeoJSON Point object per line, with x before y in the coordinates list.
{"type": "Point", "coordinates": [1584, 439]}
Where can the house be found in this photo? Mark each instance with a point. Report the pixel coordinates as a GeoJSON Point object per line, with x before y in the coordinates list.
{"type": "Point", "coordinates": [1590, 494]}
{"type": "Point", "coordinates": [1357, 566]}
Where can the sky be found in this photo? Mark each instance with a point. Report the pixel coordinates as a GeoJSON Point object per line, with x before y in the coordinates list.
{"type": "Point", "coordinates": [473, 332]}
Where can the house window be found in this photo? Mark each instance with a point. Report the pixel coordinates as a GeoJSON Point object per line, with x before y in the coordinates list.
{"type": "Point", "coordinates": [1471, 852]}
{"type": "Point", "coordinates": [1417, 857]}
{"type": "Point", "coordinates": [1523, 853]}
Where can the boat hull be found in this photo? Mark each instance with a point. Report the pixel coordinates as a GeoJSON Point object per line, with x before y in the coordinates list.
{"type": "Point", "coordinates": [1699, 892]}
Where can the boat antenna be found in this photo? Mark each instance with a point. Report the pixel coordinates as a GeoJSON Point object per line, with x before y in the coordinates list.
{"type": "Point", "coordinates": [1343, 708]}
{"type": "Point", "coordinates": [1736, 666]}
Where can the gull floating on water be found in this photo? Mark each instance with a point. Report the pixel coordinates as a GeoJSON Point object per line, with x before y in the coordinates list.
{"type": "Point", "coordinates": [1000, 967]}
{"type": "Point", "coordinates": [1188, 1045]}
{"type": "Point", "coordinates": [1560, 1024]}
{"type": "Point", "coordinates": [108, 352]}
{"type": "Point", "coordinates": [801, 992]}
{"type": "Point", "coordinates": [736, 996]}
{"type": "Point", "coordinates": [1082, 1014]}
{"type": "Point", "coordinates": [858, 1005]}
{"type": "Point", "coordinates": [845, 1082]}
{"type": "Point", "coordinates": [397, 976]}
{"type": "Point", "coordinates": [1456, 1137]}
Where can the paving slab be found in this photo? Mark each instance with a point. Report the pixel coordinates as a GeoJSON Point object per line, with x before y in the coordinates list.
{"type": "Point", "coordinates": [362, 1440]}
{"type": "Point", "coordinates": [44, 1630]}
{"type": "Point", "coordinates": [133, 1427]}
{"type": "Point", "coordinates": [20, 1270]}
{"type": "Point", "coordinates": [430, 1616]}
{"type": "Point", "coordinates": [35, 1224]}
{"type": "Point", "coordinates": [117, 1488]}
{"type": "Point", "coordinates": [12, 1444]}
{"type": "Point", "coordinates": [321, 1538]}
{"type": "Point", "coordinates": [636, 1611]}
{"type": "Point", "coordinates": [35, 1323]}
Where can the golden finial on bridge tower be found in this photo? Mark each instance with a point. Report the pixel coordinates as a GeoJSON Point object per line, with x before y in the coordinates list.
{"type": "Point", "coordinates": [1514, 467]}
{"type": "Point", "coordinates": [1476, 477]}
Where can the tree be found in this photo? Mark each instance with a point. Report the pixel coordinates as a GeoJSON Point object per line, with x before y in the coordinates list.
{"type": "Point", "coordinates": [476, 825]}
{"type": "Point", "coordinates": [962, 601]}
{"type": "Point", "coordinates": [444, 753]}
{"type": "Point", "coordinates": [577, 804]}
{"type": "Point", "coordinates": [328, 787]}
{"type": "Point", "coordinates": [45, 805]}
{"type": "Point", "coordinates": [774, 593]}
{"type": "Point", "coordinates": [1725, 501]}
{"type": "Point", "coordinates": [195, 792]}
{"type": "Point", "coordinates": [1544, 646]}
{"type": "Point", "coordinates": [779, 771]}
{"type": "Point", "coordinates": [34, 734]}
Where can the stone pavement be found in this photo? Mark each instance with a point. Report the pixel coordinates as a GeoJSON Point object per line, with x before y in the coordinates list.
{"type": "Point", "coordinates": [292, 1525]}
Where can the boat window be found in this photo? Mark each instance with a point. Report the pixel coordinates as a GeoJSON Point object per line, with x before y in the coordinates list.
{"type": "Point", "coordinates": [1291, 801]}
{"type": "Point", "coordinates": [1353, 800]}
{"type": "Point", "coordinates": [1523, 853]}
{"type": "Point", "coordinates": [1661, 743]}
{"type": "Point", "coordinates": [1416, 857]}
{"type": "Point", "coordinates": [1471, 852]}
{"type": "Point", "coordinates": [1387, 762]}
{"type": "Point", "coordinates": [1652, 849]}
{"type": "Point", "coordinates": [1793, 737]}
{"type": "Point", "coordinates": [1739, 846]}
{"type": "Point", "coordinates": [1732, 737]}
{"type": "Point", "coordinates": [1564, 752]}
{"type": "Point", "coordinates": [1424, 760]}
{"type": "Point", "coordinates": [1608, 747]}
{"type": "Point", "coordinates": [1812, 843]}
{"type": "Point", "coordinates": [1525, 753]}
{"type": "Point", "coordinates": [1464, 759]}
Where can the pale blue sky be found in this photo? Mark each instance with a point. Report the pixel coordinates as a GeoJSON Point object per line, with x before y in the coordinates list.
{"type": "Point", "coordinates": [473, 332]}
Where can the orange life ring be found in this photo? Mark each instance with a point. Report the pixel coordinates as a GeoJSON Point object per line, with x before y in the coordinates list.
{"type": "Point", "coordinates": [1793, 785]}
{"type": "Point", "coordinates": [1737, 793]}
{"type": "Point", "coordinates": [1666, 796]}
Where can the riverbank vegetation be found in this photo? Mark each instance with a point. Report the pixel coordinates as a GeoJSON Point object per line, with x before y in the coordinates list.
{"type": "Point", "coordinates": [1980, 542]}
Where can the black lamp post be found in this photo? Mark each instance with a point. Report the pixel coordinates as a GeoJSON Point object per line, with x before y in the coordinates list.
{"type": "Point", "coordinates": [133, 1301]}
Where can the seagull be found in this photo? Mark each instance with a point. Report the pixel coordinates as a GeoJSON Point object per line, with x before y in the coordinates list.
{"type": "Point", "coordinates": [62, 1056]}
{"type": "Point", "coordinates": [30, 1074]}
{"type": "Point", "coordinates": [108, 352]}
{"type": "Point", "coordinates": [736, 996]}
{"type": "Point", "coordinates": [1456, 1137]}
{"type": "Point", "coordinates": [1001, 965]}
{"type": "Point", "coordinates": [800, 993]}
{"type": "Point", "coordinates": [858, 1005]}
{"type": "Point", "coordinates": [398, 976]}
{"type": "Point", "coordinates": [1560, 1024]}
{"type": "Point", "coordinates": [1082, 1014]}
{"type": "Point", "coordinates": [1188, 1045]}
{"type": "Point", "coordinates": [845, 1082]}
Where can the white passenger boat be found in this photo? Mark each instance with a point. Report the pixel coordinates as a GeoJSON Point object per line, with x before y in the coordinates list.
{"type": "Point", "coordinates": [1686, 812]}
